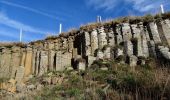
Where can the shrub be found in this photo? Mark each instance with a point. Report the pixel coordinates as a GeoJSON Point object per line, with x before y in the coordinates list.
{"type": "Point", "coordinates": [73, 92]}
{"type": "Point", "coordinates": [11, 44]}
{"type": "Point", "coordinates": [3, 80]}
{"type": "Point", "coordinates": [65, 35]}
{"type": "Point", "coordinates": [166, 15]}
{"type": "Point", "coordinates": [135, 20]}
{"type": "Point", "coordinates": [148, 18]}
{"type": "Point", "coordinates": [120, 58]}
{"type": "Point", "coordinates": [90, 26]}
{"type": "Point", "coordinates": [51, 37]}
{"type": "Point", "coordinates": [158, 17]}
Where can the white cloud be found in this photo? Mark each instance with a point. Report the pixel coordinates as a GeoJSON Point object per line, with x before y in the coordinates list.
{"type": "Point", "coordinates": [31, 9]}
{"type": "Point", "coordinates": [146, 5]}
{"type": "Point", "coordinates": [5, 20]}
{"type": "Point", "coordinates": [104, 4]}
{"type": "Point", "coordinates": [139, 5]}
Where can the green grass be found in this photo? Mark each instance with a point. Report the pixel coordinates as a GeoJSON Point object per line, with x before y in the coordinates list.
{"type": "Point", "coordinates": [143, 83]}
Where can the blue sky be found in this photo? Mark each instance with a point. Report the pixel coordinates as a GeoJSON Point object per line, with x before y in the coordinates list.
{"type": "Point", "coordinates": [40, 18]}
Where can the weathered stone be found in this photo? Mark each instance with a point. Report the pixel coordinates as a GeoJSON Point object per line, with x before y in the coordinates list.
{"type": "Point", "coordinates": [139, 47]}
{"type": "Point", "coordinates": [94, 41]}
{"type": "Point", "coordinates": [145, 48]}
{"type": "Point", "coordinates": [51, 62]}
{"type": "Point", "coordinates": [118, 52]}
{"type": "Point", "coordinates": [164, 30]}
{"type": "Point", "coordinates": [102, 38]}
{"type": "Point", "coordinates": [90, 60]}
{"type": "Point", "coordinates": [70, 68]}
{"type": "Point", "coordinates": [111, 38]}
{"type": "Point", "coordinates": [47, 80]}
{"type": "Point", "coordinates": [107, 53]}
{"type": "Point", "coordinates": [119, 38]}
{"type": "Point", "coordinates": [50, 45]}
{"type": "Point", "coordinates": [12, 81]}
{"type": "Point", "coordinates": [81, 65]}
{"type": "Point", "coordinates": [62, 60]}
{"type": "Point", "coordinates": [31, 87]}
{"type": "Point", "coordinates": [28, 62]}
{"type": "Point", "coordinates": [43, 64]}
{"type": "Point", "coordinates": [45, 45]}
{"type": "Point", "coordinates": [15, 60]}
{"type": "Point", "coordinates": [64, 45]}
{"type": "Point", "coordinates": [126, 32]}
{"type": "Point", "coordinates": [154, 32]}
{"type": "Point", "coordinates": [56, 45]}
{"type": "Point", "coordinates": [5, 63]}
{"type": "Point", "coordinates": [133, 60]}
{"type": "Point", "coordinates": [128, 46]}
{"type": "Point", "coordinates": [100, 54]}
{"type": "Point", "coordinates": [87, 44]}
{"type": "Point", "coordinates": [136, 31]}
{"type": "Point", "coordinates": [19, 74]}
{"type": "Point", "coordinates": [20, 88]}
{"type": "Point", "coordinates": [33, 61]}
{"type": "Point", "coordinates": [37, 62]}
{"type": "Point", "coordinates": [74, 53]}
{"type": "Point", "coordinates": [165, 52]}
{"type": "Point", "coordinates": [104, 69]}
{"type": "Point", "coordinates": [23, 56]}
{"type": "Point", "coordinates": [70, 44]}
{"type": "Point", "coordinates": [152, 51]}
{"type": "Point", "coordinates": [147, 34]}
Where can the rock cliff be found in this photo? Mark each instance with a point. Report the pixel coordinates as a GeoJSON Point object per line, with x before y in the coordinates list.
{"type": "Point", "coordinates": [80, 48]}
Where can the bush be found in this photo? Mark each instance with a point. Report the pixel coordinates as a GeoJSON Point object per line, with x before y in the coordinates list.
{"type": "Point", "coordinates": [51, 38]}
{"type": "Point", "coordinates": [3, 80]}
{"type": "Point", "coordinates": [166, 15]}
{"type": "Point", "coordinates": [135, 20]}
{"type": "Point", "coordinates": [148, 18]}
{"type": "Point", "coordinates": [90, 26]}
{"type": "Point", "coordinates": [73, 92]}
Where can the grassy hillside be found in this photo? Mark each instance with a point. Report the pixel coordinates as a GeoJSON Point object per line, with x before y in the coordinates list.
{"type": "Point", "coordinates": [119, 82]}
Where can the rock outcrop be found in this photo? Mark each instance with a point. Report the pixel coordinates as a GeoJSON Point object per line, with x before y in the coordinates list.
{"type": "Point", "coordinates": [57, 54]}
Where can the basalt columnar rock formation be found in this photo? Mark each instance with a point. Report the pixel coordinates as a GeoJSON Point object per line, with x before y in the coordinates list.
{"type": "Point", "coordinates": [128, 42]}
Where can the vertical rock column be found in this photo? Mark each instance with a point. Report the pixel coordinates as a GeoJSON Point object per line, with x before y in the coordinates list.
{"type": "Point", "coordinates": [111, 38]}
{"type": "Point", "coordinates": [102, 38]}
{"type": "Point", "coordinates": [145, 48]}
{"type": "Point", "coordinates": [33, 60]}
{"type": "Point", "coordinates": [165, 27]}
{"type": "Point", "coordinates": [94, 42]}
{"type": "Point", "coordinates": [136, 31]}
{"type": "Point", "coordinates": [137, 36]}
{"type": "Point", "coordinates": [43, 65]}
{"type": "Point", "coordinates": [37, 62]}
{"type": "Point", "coordinates": [126, 32]}
{"type": "Point", "coordinates": [5, 63]}
{"type": "Point", "coordinates": [19, 74]}
{"type": "Point", "coordinates": [28, 62]}
{"type": "Point", "coordinates": [70, 44]}
{"type": "Point", "coordinates": [15, 60]}
{"type": "Point", "coordinates": [119, 38]}
{"type": "Point", "coordinates": [154, 32]}
{"type": "Point", "coordinates": [63, 60]}
{"type": "Point", "coordinates": [128, 46]}
{"type": "Point", "coordinates": [51, 54]}
{"type": "Point", "coordinates": [87, 46]}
